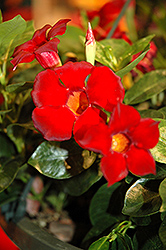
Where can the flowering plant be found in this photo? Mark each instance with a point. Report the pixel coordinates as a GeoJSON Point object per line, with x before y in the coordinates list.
{"type": "Point", "coordinates": [88, 112]}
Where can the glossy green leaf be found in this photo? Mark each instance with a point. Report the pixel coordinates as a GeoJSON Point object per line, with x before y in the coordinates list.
{"type": "Point", "coordinates": [159, 151]}
{"type": "Point", "coordinates": [100, 202]}
{"type": "Point", "coordinates": [162, 193]}
{"type": "Point", "coordinates": [109, 52]}
{"type": "Point", "coordinates": [150, 84]}
{"type": "Point", "coordinates": [101, 244]}
{"type": "Point", "coordinates": [49, 159]}
{"type": "Point", "coordinates": [80, 183]}
{"type": "Point", "coordinates": [61, 160]}
{"type": "Point", "coordinates": [140, 200]}
{"type": "Point", "coordinates": [8, 172]}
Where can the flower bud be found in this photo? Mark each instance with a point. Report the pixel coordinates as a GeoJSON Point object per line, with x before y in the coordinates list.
{"type": "Point", "coordinates": [90, 45]}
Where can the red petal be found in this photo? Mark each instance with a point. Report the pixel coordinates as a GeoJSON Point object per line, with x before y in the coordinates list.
{"type": "Point", "coordinates": [22, 57]}
{"type": "Point", "coordinates": [140, 161]}
{"type": "Point", "coordinates": [113, 167]}
{"type": "Point", "coordinates": [54, 124]}
{"type": "Point", "coordinates": [123, 118]}
{"type": "Point", "coordinates": [49, 46]}
{"type": "Point", "coordinates": [91, 133]}
{"type": "Point", "coordinates": [73, 75]}
{"type": "Point", "coordinates": [47, 90]}
{"type": "Point", "coordinates": [146, 134]}
{"type": "Point", "coordinates": [39, 36]}
{"type": "Point", "coordinates": [28, 46]}
{"type": "Point", "coordinates": [59, 28]}
{"type": "Point", "coordinates": [104, 88]}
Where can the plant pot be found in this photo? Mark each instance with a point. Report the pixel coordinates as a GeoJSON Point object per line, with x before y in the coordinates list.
{"type": "Point", "coordinates": [28, 236]}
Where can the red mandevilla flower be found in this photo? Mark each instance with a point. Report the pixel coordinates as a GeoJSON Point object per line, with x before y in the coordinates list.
{"type": "Point", "coordinates": [124, 143]}
{"type": "Point", "coordinates": [63, 98]}
{"type": "Point", "coordinates": [42, 46]}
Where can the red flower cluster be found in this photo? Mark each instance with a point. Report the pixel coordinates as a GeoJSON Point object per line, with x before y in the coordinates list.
{"type": "Point", "coordinates": [42, 46]}
{"type": "Point", "coordinates": [71, 95]}
{"type": "Point", "coordinates": [74, 99]}
{"type": "Point", "coordinates": [124, 143]}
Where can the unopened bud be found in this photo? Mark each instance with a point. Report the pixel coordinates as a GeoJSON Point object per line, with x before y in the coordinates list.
{"type": "Point", "coordinates": [90, 45]}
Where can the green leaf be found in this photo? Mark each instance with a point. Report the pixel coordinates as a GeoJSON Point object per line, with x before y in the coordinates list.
{"type": "Point", "coordinates": [159, 151]}
{"type": "Point", "coordinates": [79, 184]}
{"type": "Point", "coordinates": [140, 200]}
{"type": "Point", "coordinates": [105, 221]}
{"type": "Point", "coordinates": [7, 147]}
{"type": "Point", "coordinates": [151, 113]}
{"type": "Point", "coordinates": [150, 84]}
{"type": "Point", "coordinates": [147, 238]}
{"type": "Point", "coordinates": [100, 202]}
{"type": "Point", "coordinates": [19, 87]}
{"type": "Point", "coordinates": [8, 172]}
{"type": "Point", "coordinates": [23, 37]}
{"type": "Point", "coordinates": [162, 193]}
{"type": "Point", "coordinates": [49, 160]}
{"type": "Point", "coordinates": [10, 29]}
{"type": "Point", "coordinates": [122, 243]}
{"type": "Point", "coordinates": [101, 244]}
{"type": "Point", "coordinates": [109, 52]}
{"type": "Point", "coordinates": [61, 160]}
{"type": "Point", "coordinates": [162, 232]}
{"type": "Point", "coordinates": [130, 66]}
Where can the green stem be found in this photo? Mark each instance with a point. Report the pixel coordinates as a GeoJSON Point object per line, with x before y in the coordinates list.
{"type": "Point", "coordinates": [110, 34]}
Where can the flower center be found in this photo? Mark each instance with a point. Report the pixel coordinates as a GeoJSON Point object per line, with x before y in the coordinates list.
{"type": "Point", "coordinates": [120, 143]}
{"type": "Point", "coordinates": [77, 102]}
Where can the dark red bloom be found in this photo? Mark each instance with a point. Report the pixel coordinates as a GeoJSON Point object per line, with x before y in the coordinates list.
{"type": "Point", "coordinates": [1, 99]}
{"type": "Point", "coordinates": [146, 64]}
{"type": "Point", "coordinates": [124, 143]}
{"type": "Point", "coordinates": [42, 46]}
{"type": "Point", "coordinates": [73, 94]}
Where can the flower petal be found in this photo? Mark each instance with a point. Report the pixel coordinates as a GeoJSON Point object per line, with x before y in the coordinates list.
{"type": "Point", "coordinates": [47, 54]}
{"type": "Point", "coordinates": [58, 29]}
{"type": "Point", "coordinates": [146, 134]}
{"type": "Point", "coordinates": [140, 161]}
{"type": "Point", "coordinates": [48, 90]}
{"type": "Point", "coordinates": [104, 88]}
{"type": "Point", "coordinates": [73, 75]}
{"type": "Point", "coordinates": [39, 36]}
{"type": "Point", "coordinates": [113, 167]}
{"type": "Point", "coordinates": [54, 124]}
{"type": "Point", "coordinates": [123, 118]}
{"type": "Point", "coordinates": [22, 57]}
{"type": "Point", "coordinates": [90, 131]}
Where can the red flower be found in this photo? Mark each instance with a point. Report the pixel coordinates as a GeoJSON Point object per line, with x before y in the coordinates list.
{"type": "Point", "coordinates": [42, 46]}
{"type": "Point", "coordinates": [124, 143]}
{"type": "Point", "coordinates": [63, 98]}
{"type": "Point", "coordinates": [146, 64]}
